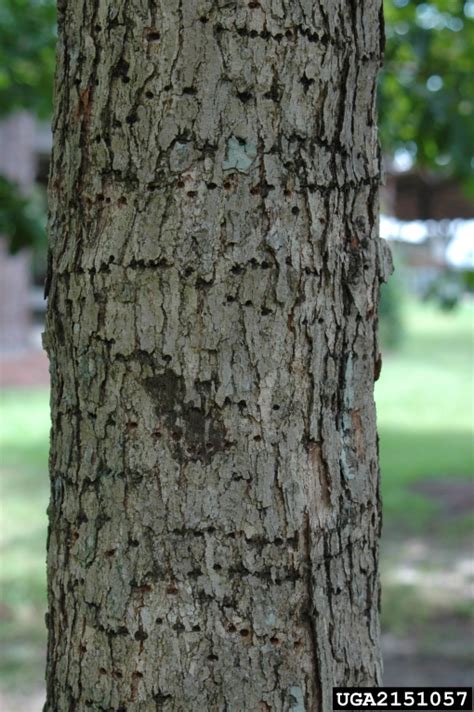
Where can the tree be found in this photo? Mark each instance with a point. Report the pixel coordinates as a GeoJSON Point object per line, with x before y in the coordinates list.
{"type": "Point", "coordinates": [425, 96]}
{"type": "Point", "coordinates": [212, 319]}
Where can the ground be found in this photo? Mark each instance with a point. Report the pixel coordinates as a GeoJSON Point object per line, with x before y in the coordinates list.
{"type": "Point", "coordinates": [424, 402]}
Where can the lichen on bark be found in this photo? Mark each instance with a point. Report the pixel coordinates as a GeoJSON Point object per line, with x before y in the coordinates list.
{"type": "Point", "coordinates": [212, 317]}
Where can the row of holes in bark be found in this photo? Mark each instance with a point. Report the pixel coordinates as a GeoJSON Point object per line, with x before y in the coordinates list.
{"type": "Point", "coordinates": [200, 282]}
{"type": "Point", "coordinates": [274, 94]}
{"type": "Point", "coordinates": [252, 541]}
{"type": "Point", "coordinates": [100, 197]}
{"type": "Point", "coordinates": [227, 185]}
{"type": "Point", "coordinates": [261, 189]}
{"type": "Point", "coordinates": [141, 636]}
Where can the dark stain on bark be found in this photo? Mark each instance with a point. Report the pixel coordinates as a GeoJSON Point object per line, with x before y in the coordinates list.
{"type": "Point", "coordinates": [198, 433]}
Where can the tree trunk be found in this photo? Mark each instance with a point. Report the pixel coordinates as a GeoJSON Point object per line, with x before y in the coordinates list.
{"type": "Point", "coordinates": [214, 280]}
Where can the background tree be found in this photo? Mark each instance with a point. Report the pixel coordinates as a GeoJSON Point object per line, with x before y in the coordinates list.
{"type": "Point", "coordinates": [27, 40]}
{"type": "Point", "coordinates": [215, 270]}
{"type": "Point", "coordinates": [425, 93]}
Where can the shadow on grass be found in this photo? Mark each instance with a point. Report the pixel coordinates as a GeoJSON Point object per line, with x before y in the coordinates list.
{"type": "Point", "coordinates": [409, 456]}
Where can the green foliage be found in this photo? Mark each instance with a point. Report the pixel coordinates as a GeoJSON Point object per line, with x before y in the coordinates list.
{"type": "Point", "coordinates": [426, 93]}
{"type": "Point", "coordinates": [21, 218]}
{"type": "Point", "coordinates": [27, 55]}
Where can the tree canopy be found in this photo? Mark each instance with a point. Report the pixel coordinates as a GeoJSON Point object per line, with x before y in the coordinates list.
{"type": "Point", "coordinates": [426, 92]}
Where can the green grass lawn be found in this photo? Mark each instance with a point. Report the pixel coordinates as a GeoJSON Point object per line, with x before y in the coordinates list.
{"type": "Point", "coordinates": [24, 491]}
{"type": "Point", "coordinates": [425, 407]}
{"type": "Point", "coordinates": [424, 402]}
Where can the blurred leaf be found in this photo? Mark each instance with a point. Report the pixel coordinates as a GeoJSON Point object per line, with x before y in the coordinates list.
{"type": "Point", "coordinates": [22, 219]}
{"type": "Point", "coordinates": [27, 55]}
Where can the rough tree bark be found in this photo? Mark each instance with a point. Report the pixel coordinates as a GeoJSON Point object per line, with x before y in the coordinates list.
{"type": "Point", "coordinates": [214, 280]}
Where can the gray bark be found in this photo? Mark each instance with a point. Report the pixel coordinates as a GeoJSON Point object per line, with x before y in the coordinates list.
{"type": "Point", "coordinates": [215, 269]}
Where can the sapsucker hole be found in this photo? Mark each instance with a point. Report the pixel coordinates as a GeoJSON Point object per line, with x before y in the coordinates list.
{"type": "Point", "coordinates": [244, 96]}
